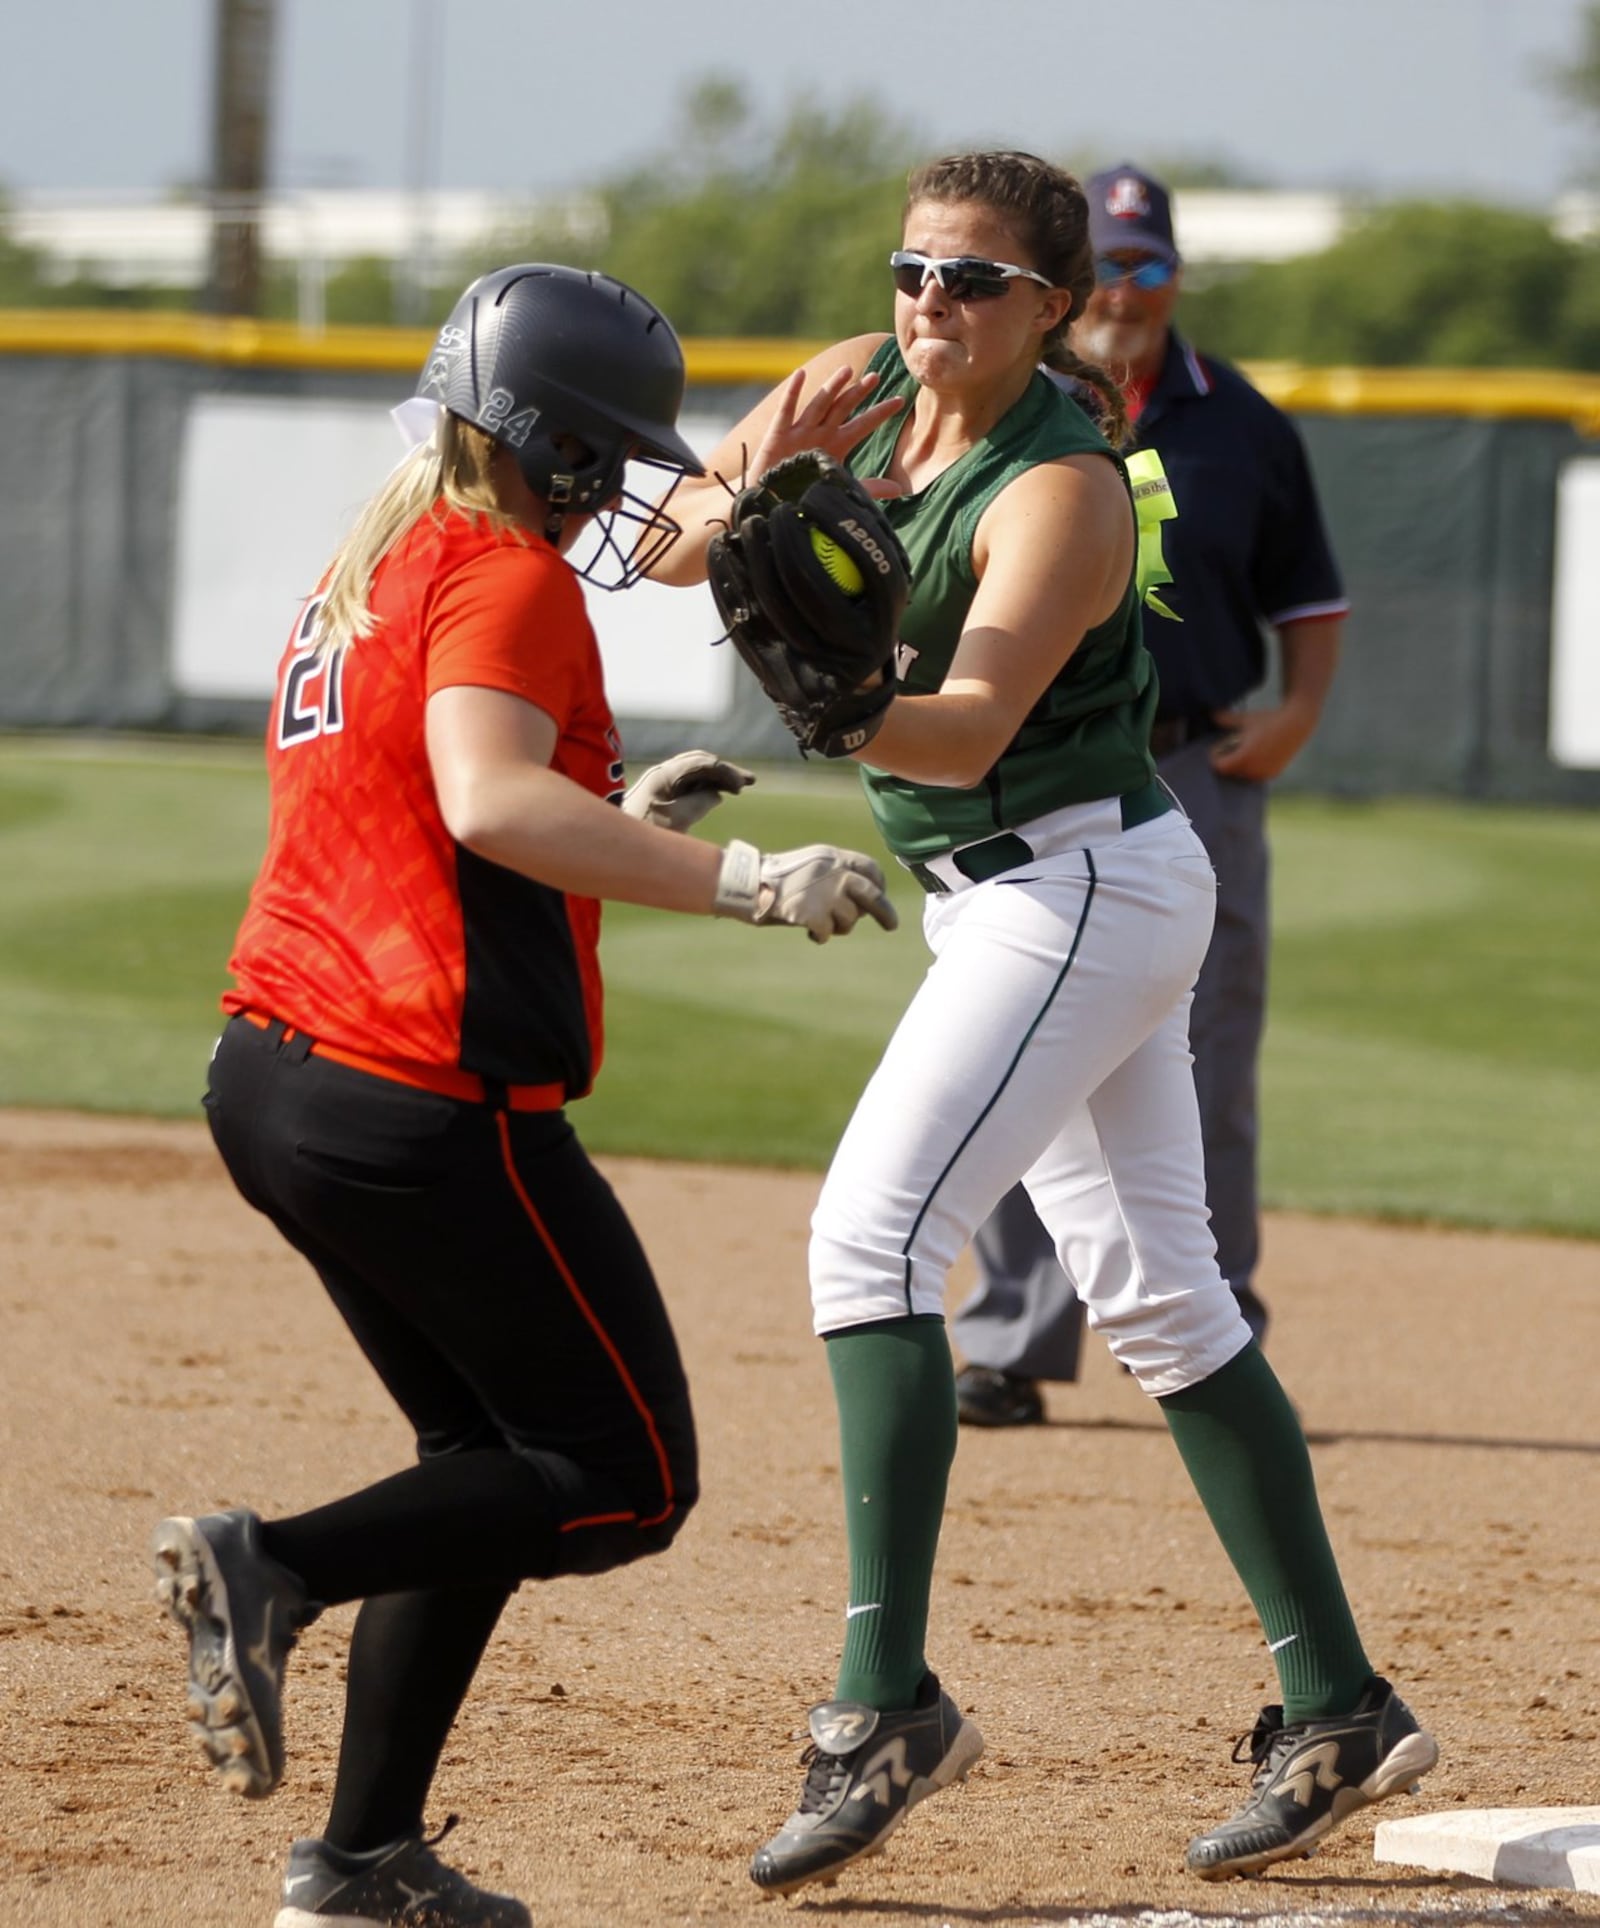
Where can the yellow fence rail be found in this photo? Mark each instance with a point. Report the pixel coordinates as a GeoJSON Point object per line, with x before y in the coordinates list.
{"type": "Point", "coordinates": [1548, 394]}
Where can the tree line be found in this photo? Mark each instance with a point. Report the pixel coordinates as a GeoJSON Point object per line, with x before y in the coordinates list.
{"type": "Point", "coordinates": [740, 229]}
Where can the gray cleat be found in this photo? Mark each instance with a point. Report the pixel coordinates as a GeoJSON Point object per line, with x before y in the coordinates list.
{"type": "Point", "coordinates": [241, 1611]}
{"type": "Point", "coordinates": [1310, 1775]}
{"type": "Point", "coordinates": [865, 1771]}
{"type": "Point", "coordinates": [404, 1882]}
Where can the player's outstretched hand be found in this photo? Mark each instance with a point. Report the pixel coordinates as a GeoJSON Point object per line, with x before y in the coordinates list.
{"type": "Point", "coordinates": [676, 794]}
{"type": "Point", "coordinates": [822, 888]}
{"type": "Point", "coordinates": [837, 417]}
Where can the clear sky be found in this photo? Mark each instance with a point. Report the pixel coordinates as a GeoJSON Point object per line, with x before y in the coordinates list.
{"type": "Point", "coordinates": [1437, 97]}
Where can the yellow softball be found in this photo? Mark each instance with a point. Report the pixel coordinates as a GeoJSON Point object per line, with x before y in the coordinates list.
{"type": "Point", "coordinates": [838, 564]}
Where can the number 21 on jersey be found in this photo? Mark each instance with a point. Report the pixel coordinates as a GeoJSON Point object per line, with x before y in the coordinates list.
{"type": "Point", "coordinates": [311, 695]}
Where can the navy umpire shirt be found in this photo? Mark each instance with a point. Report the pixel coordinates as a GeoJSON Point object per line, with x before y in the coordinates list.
{"type": "Point", "coordinates": [1248, 545]}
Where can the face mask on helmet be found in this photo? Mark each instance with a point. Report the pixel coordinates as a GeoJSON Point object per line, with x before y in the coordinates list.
{"type": "Point", "coordinates": [624, 533]}
{"type": "Point", "coordinates": [624, 541]}
{"type": "Point", "coordinates": [579, 376]}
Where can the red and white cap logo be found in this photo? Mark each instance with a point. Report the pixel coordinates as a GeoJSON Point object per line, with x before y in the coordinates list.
{"type": "Point", "coordinates": [1127, 199]}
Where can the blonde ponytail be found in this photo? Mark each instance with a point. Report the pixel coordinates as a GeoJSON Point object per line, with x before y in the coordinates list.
{"type": "Point", "coordinates": [451, 473]}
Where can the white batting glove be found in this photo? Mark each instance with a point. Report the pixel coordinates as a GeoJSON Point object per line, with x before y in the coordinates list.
{"type": "Point", "coordinates": [676, 794]}
{"type": "Point", "coordinates": [821, 887]}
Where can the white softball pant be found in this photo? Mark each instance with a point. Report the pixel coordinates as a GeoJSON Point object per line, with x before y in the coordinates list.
{"type": "Point", "coordinates": [1048, 1041]}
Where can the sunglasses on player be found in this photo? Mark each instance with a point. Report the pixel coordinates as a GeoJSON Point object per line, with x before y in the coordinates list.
{"type": "Point", "coordinates": [1151, 273]}
{"type": "Point", "coordinates": [963, 277]}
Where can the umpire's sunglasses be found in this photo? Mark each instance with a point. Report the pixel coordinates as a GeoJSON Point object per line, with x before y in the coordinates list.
{"type": "Point", "coordinates": [1152, 273]}
{"type": "Point", "coordinates": [963, 277]}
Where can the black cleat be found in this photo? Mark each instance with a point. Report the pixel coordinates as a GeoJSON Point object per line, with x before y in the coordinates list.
{"type": "Point", "coordinates": [404, 1881]}
{"type": "Point", "coordinates": [865, 1771]}
{"type": "Point", "coordinates": [1310, 1775]}
{"type": "Point", "coordinates": [241, 1611]}
{"type": "Point", "coordinates": [985, 1397]}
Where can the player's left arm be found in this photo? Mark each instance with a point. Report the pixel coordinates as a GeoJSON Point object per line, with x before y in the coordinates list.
{"type": "Point", "coordinates": [1053, 553]}
{"type": "Point", "coordinates": [1261, 744]}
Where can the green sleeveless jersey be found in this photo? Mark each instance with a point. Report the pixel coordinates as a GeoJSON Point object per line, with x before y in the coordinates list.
{"type": "Point", "coordinates": [1088, 736]}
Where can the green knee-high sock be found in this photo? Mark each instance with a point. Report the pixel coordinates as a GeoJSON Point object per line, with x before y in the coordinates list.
{"type": "Point", "coordinates": [897, 1438]}
{"type": "Point", "coordinates": [1242, 1443]}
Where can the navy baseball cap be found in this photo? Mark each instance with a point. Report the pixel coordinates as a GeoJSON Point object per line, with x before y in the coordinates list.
{"type": "Point", "coordinates": [1128, 209]}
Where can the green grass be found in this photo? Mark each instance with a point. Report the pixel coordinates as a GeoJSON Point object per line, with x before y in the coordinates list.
{"type": "Point", "coordinates": [1433, 1050]}
{"type": "Point", "coordinates": [123, 873]}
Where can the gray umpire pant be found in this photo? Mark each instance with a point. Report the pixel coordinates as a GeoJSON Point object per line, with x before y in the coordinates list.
{"type": "Point", "coordinates": [1024, 1317]}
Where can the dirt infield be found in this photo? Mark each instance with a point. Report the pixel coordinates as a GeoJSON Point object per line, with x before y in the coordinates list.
{"type": "Point", "coordinates": [632, 1738]}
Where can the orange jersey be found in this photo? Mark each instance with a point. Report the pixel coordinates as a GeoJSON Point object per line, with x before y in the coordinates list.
{"type": "Point", "coordinates": [369, 926]}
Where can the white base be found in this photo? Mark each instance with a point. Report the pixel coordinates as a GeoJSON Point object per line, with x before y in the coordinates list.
{"type": "Point", "coordinates": [1550, 1847]}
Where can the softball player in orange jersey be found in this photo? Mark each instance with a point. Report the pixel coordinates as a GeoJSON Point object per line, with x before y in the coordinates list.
{"type": "Point", "coordinates": [416, 1001]}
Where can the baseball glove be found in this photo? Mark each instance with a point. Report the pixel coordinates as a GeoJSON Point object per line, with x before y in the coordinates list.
{"type": "Point", "coordinates": [811, 581]}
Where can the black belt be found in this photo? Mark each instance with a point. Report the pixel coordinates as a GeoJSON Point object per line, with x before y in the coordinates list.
{"type": "Point", "coordinates": [993, 857]}
{"type": "Point", "coordinates": [1169, 733]}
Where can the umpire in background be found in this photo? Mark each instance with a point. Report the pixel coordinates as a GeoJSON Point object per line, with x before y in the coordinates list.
{"type": "Point", "coordinates": [1248, 552]}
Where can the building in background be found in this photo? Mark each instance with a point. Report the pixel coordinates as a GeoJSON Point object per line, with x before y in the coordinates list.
{"type": "Point", "coordinates": [128, 241]}
{"type": "Point", "coordinates": [132, 241]}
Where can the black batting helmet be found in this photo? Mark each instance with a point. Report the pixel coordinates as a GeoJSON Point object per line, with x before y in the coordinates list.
{"type": "Point", "coordinates": [535, 351]}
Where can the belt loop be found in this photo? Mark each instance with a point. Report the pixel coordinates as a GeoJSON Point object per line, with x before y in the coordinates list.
{"type": "Point", "coordinates": [296, 1047]}
{"type": "Point", "coordinates": [495, 1093]}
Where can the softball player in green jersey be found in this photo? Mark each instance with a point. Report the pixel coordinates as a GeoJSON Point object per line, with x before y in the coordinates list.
{"type": "Point", "coordinates": [1069, 907]}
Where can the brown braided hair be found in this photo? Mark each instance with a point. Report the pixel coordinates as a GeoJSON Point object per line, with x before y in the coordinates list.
{"type": "Point", "coordinates": [1047, 208]}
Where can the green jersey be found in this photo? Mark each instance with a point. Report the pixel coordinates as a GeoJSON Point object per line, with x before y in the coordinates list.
{"type": "Point", "coordinates": [1088, 735]}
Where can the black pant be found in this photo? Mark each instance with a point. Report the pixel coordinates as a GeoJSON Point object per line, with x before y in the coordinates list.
{"type": "Point", "coordinates": [496, 1285]}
